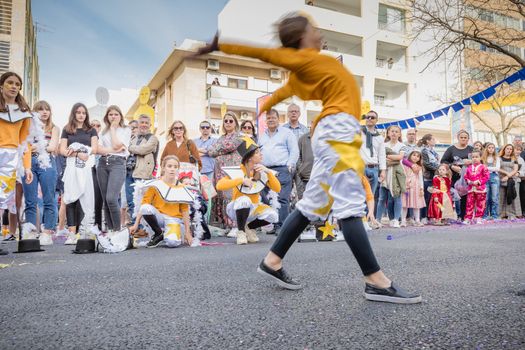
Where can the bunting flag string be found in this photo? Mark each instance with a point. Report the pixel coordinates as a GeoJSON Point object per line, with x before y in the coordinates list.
{"type": "Point", "coordinates": [476, 98]}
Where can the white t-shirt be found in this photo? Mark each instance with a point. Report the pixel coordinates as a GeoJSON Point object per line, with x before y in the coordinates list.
{"type": "Point", "coordinates": [123, 134]}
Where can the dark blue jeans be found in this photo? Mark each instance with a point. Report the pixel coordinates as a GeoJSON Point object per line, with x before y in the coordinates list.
{"type": "Point", "coordinates": [47, 179]}
{"type": "Point", "coordinates": [372, 174]}
{"type": "Point", "coordinates": [492, 207]}
{"type": "Point", "coordinates": [392, 205]}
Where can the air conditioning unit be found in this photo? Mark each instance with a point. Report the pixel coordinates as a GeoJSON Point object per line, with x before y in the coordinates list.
{"type": "Point", "coordinates": [213, 65]}
{"type": "Point", "coordinates": [245, 115]}
{"type": "Point", "coordinates": [275, 74]}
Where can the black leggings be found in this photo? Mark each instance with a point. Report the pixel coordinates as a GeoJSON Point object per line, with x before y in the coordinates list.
{"type": "Point", "coordinates": [74, 214]}
{"type": "Point", "coordinates": [353, 230]}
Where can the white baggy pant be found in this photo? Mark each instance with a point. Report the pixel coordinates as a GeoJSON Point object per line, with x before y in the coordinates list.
{"type": "Point", "coordinates": [257, 211]}
{"type": "Point", "coordinates": [172, 227]}
{"type": "Point", "coordinates": [9, 162]}
{"type": "Point", "coordinates": [335, 184]}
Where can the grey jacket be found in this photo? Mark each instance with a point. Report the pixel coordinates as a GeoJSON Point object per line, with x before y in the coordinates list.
{"type": "Point", "coordinates": [144, 151]}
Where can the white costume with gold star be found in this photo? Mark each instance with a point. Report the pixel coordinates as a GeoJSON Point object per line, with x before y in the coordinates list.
{"type": "Point", "coordinates": [173, 227]}
{"type": "Point", "coordinates": [334, 182]}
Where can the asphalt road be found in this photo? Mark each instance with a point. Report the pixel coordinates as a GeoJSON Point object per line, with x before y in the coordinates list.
{"type": "Point", "coordinates": [211, 297]}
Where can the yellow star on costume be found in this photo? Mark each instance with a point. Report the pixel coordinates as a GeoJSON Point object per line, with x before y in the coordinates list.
{"type": "Point", "coordinates": [9, 182]}
{"type": "Point", "coordinates": [323, 211]}
{"type": "Point", "coordinates": [349, 155]}
{"type": "Point", "coordinates": [249, 141]}
{"type": "Point", "coordinates": [327, 230]}
{"type": "Point", "coordinates": [260, 209]}
{"type": "Point", "coordinates": [174, 228]}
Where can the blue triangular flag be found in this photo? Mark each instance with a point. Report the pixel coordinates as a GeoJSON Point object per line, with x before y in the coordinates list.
{"type": "Point", "coordinates": [445, 110]}
{"type": "Point", "coordinates": [412, 123]}
{"type": "Point", "coordinates": [512, 78]}
{"type": "Point", "coordinates": [428, 116]}
{"type": "Point", "coordinates": [420, 118]}
{"type": "Point", "coordinates": [437, 114]}
{"type": "Point", "coordinates": [457, 106]}
{"type": "Point", "coordinates": [489, 92]}
{"type": "Point", "coordinates": [477, 98]}
{"type": "Point", "coordinates": [466, 102]}
{"type": "Point", "coordinates": [403, 124]}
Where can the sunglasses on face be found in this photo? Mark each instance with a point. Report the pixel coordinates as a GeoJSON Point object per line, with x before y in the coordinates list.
{"type": "Point", "coordinates": [247, 127]}
{"type": "Point", "coordinates": [229, 121]}
{"type": "Point", "coordinates": [205, 126]}
{"type": "Point", "coordinates": [371, 117]}
{"type": "Point", "coordinates": [178, 128]}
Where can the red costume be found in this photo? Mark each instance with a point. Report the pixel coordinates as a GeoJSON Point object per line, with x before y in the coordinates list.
{"type": "Point", "coordinates": [440, 206]}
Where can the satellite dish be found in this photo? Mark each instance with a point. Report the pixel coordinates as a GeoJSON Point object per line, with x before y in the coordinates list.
{"type": "Point", "coordinates": [102, 95]}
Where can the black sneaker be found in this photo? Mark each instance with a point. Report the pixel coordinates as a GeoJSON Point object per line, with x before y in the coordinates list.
{"type": "Point", "coordinates": [280, 277]}
{"type": "Point", "coordinates": [392, 294]}
{"type": "Point", "coordinates": [155, 241]}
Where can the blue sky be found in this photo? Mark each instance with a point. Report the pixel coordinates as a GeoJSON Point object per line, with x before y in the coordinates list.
{"type": "Point", "coordinates": [84, 44]}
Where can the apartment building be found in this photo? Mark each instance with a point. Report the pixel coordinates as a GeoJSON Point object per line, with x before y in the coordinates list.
{"type": "Point", "coordinates": [371, 38]}
{"type": "Point", "coordinates": [18, 51]}
{"type": "Point", "coordinates": [480, 64]}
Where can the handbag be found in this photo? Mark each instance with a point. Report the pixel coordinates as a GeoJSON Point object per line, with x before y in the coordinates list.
{"type": "Point", "coordinates": [192, 159]}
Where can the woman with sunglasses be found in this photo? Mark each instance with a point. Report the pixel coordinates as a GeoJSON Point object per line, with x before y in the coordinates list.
{"type": "Point", "coordinates": [225, 153]}
{"type": "Point", "coordinates": [204, 142]}
{"type": "Point", "coordinates": [247, 128]}
{"type": "Point", "coordinates": [179, 145]}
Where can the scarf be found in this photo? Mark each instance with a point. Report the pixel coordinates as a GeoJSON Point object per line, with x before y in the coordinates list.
{"type": "Point", "coordinates": [369, 136]}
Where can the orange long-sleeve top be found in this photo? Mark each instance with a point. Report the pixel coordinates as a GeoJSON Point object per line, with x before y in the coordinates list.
{"type": "Point", "coordinates": [226, 183]}
{"type": "Point", "coordinates": [368, 188]}
{"type": "Point", "coordinates": [313, 76]}
{"type": "Point", "coordinates": [153, 197]}
{"type": "Point", "coordinates": [13, 134]}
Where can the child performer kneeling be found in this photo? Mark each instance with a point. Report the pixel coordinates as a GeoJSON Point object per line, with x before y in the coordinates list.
{"type": "Point", "coordinates": [167, 215]}
{"type": "Point", "coordinates": [334, 183]}
{"type": "Point", "coordinates": [246, 206]}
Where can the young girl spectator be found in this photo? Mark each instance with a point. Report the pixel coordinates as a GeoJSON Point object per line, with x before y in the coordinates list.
{"type": "Point", "coordinates": [45, 177]}
{"type": "Point", "coordinates": [78, 143]}
{"type": "Point", "coordinates": [170, 221]}
{"type": "Point", "coordinates": [111, 168]}
{"type": "Point", "coordinates": [476, 177]}
{"type": "Point", "coordinates": [394, 185]}
{"type": "Point", "coordinates": [440, 207]}
{"type": "Point", "coordinates": [246, 206]}
{"type": "Point", "coordinates": [414, 197]}
{"type": "Point", "coordinates": [492, 161]}
{"type": "Point", "coordinates": [478, 146]}
{"type": "Point", "coordinates": [509, 187]}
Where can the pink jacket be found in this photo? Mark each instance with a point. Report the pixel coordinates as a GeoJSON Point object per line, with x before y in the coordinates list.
{"type": "Point", "coordinates": [477, 173]}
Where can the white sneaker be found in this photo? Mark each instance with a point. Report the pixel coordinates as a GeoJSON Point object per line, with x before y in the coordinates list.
{"type": "Point", "coordinates": [251, 235]}
{"type": "Point", "coordinates": [241, 237]}
{"type": "Point", "coordinates": [403, 224]}
{"type": "Point", "coordinates": [394, 224]}
{"type": "Point", "coordinates": [63, 232]}
{"type": "Point", "coordinates": [308, 236]}
{"type": "Point", "coordinates": [233, 233]}
{"type": "Point", "coordinates": [424, 221]}
{"type": "Point", "coordinates": [46, 239]}
{"type": "Point", "coordinates": [71, 239]}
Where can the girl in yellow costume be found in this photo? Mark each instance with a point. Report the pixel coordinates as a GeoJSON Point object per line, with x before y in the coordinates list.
{"type": "Point", "coordinates": [247, 182]}
{"type": "Point", "coordinates": [167, 216]}
{"type": "Point", "coordinates": [17, 126]}
{"type": "Point", "coordinates": [334, 184]}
